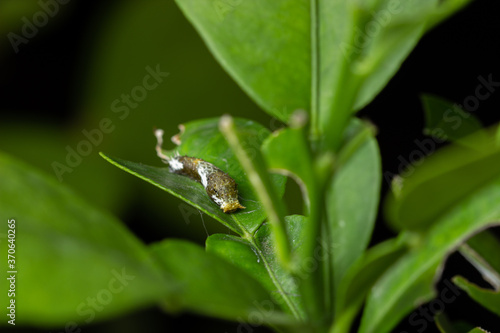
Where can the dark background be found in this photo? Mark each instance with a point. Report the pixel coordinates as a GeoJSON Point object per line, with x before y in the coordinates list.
{"type": "Point", "coordinates": [47, 97]}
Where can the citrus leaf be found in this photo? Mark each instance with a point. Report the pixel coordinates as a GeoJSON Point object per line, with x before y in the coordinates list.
{"type": "Point", "coordinates": [259, 260]}
{"type": "Point", "coordinates": [295, 225]}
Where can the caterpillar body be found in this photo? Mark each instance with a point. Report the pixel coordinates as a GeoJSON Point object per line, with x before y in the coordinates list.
{"type": "Point", "coordinates": [220, 187]}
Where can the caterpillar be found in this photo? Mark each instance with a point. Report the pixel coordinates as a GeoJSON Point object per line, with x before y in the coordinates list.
{"type": "Point", "coordinates": [220, 187]}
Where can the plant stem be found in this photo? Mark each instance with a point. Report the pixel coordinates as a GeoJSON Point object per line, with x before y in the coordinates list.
{"type": "Point", "coordinates": [263, 187]}
{"type": "Point", "coordinates": [315, 67]}
{"type": "Point", "coordinates": [313, 286]}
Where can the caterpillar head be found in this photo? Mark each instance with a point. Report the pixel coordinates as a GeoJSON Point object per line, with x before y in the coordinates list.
{"type": "Point", "coordinates": [223, 190]}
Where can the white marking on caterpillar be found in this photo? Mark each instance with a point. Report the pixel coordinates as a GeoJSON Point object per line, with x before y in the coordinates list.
{"type": "Point", "coordinates": [220, 187]}
{"type": "Point", "coordinates": [203, 171]}
{"type": "Point", "coordinates": [175, 164]}
{"type": "Point", "coordinates": [217, 200]}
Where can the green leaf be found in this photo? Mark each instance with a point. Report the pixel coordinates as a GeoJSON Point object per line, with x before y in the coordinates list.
{"type": "Point", "coordinates": [202, 139]}
{"type": "Point", "coordinates": [359, 279]}
{"type": "Point", "coordinates": [311, 54]}
{"type": "Point", "coordinates": [446, 121]}
{"type": "Point", "coordinates": [214, 287]}
{"type": "Point", "coordinates": [352, 203]}
{"type": "Point", "coordinates": [248, 38]}
{"type": "Point", "coordinates": [362, 44]}
{"type": "Point", "coordinates": [259, 260]}
{"type": "Point", "coordinates": [73, 262]}
{"type": "Point", "coordinates": [409, 280]}
{"type": "Point", "coordinates": [442, 180]}
{"type": "Point", "coordinates": [288, 282]}
{"type": "Point", "coordinates": [488, 298]}
{"type": "Point", "coordinates": [242, 254]}
{"type": "Point", "coordinates": [482, 252]}
{"type": "Point", "coordinates": [286, 152]}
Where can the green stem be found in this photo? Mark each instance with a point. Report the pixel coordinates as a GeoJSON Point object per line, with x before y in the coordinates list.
{"type": "Point", "coordinates": [327, 271]}
{"type": "Point", "coordinates": [315, 68]}
{"type": "Point", "coordinates": [335, 116]}
{"type": "Point", "coordinates": [263, 187]}
{"type": "Point", "coordinates": [313, 288]}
